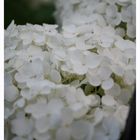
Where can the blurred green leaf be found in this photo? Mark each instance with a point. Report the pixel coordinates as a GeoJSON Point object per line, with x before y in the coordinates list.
{"type": "Point", "coordinates": [22, 13]}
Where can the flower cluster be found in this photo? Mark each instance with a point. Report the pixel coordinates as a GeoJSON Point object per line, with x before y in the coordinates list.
{"type": "Point", "coordinates": [120, 14]}
{"type": "Point", "coordinates": [74, 83]}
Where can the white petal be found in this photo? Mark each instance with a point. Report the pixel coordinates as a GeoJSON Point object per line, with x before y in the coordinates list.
{"type": "Point", "coordinates": [7, 79]}
{"type": "Point", "coordinates": [38, 110]}
{"type": "Point", "coordinates": [118, 70]}
{"type": "Point", "coordinates": [114, 91]}
{"type": "Point", "coordinates": [106, 41]}
{"type": "Point", "coordinates": [124, 44]}
{"type": "Point", "coordinates": [69, 28]}
{"type": "Point", "coordinates": [131, 31]}
{"type": "Point", "coordinates": [100, 136]}
{"type": "Point", "coordinates": [67, 116]}
{"type": "Point", "coordinates": [27, 94]}
{"type": "Point", "coordinates": [55, 106]}
{"type": "Point", "coordinates": [108, 100]}
{"type": "Point", "coordinates": [93, 60]}
{"type": "Point", "coordinates": [104, 72]}
{"type": "Point", "coordinates": [121, 114]}
{"type": "Point", "coordinates": [76, 56]}
{"type": "Point", "coordinates": [11, 93]}
{"type": "Point", "coordinates": [94, 100]}
{"type": "Point", "coordinates": [80, 129]}
{"type": "Point", "coordinates": [125, 96]}
{"type": "Point", "coordinates": [8, 54]}
{"type": "Point", "coordinates": [42, 124]}
{"type": "Point", "coordinates": [129, 77]}
{"type": "Point", "coordinates": [108, 84]}
{"type": "Point", "coordinates": [63, 134]}
{"type": "Point", "coordinates": [80, 69]}
{"type": "Point", "coordinates": [112, 126]}
{"type": "Point", "coordinates": [18, 138]}
{"type": "Point", "coordinates": [20, 103]}
{"type": "Point", "coordinates": [20, 77]}
{"type": "Point", "coordinates": [55, 76]}
{"type": "Point", "coordinates": [26, 37]}
{"type": "Point", "coordinates": [98, 116]}
{"type": "Point", "coordinates": [94, 80]}
{"type": "Point", "coordinates": [79, 110]}
{"type": "Point", "coordinates": [21, 126]}
{"type": "Point", "coordinates": [120, 31]}
{"type": "Point", "coordinates": [39, 39]}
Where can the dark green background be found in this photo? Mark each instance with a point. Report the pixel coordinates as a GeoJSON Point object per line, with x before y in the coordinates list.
{"type": "Point", "coordinates": [22, 13]}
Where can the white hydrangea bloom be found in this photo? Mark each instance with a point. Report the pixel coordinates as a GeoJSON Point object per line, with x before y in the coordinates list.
{"type": "Point", "coordinates": [75, 83]}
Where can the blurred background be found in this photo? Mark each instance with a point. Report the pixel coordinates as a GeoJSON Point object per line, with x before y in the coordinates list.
{"type": "Point", "coordinates": [28, 11]}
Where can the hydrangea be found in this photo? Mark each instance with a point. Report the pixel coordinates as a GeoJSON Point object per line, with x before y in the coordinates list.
{"type": "Point", "coordinates": [117, 13]}
{"type": "Point", "coordinates": [75, 83]}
